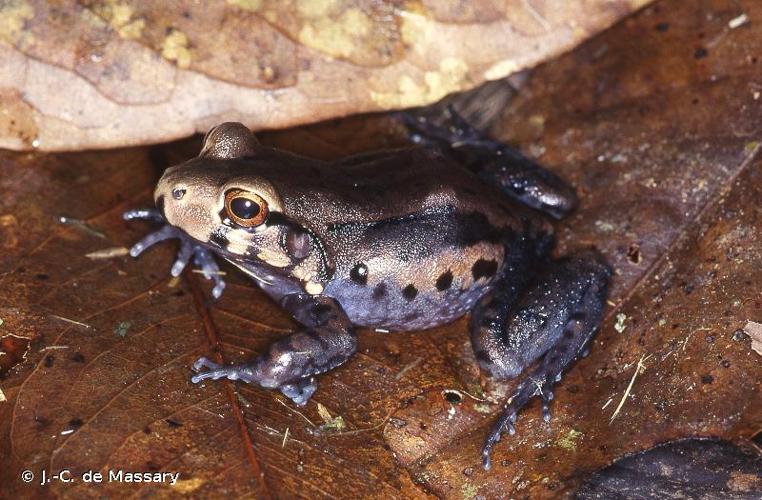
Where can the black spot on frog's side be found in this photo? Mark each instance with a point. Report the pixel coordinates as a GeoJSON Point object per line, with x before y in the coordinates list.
{"type": "Point", "coordinates": [484, 269]}
{"type": "Point", "coordinates": [379, 291]}
{"type": "Point", "coordinates": [359, 274]}
{"type": "Point", "coordinates": [444, 281]}
{"type": "Point", "coordinates": [409, 292]}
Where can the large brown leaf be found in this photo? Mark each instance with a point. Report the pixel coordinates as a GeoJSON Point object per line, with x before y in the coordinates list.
{"type": "Point", "coordinates": [108, 73]}
{"type": "Point", "coordinates": [657, 122]}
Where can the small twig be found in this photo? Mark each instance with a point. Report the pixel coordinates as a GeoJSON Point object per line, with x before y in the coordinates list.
{"type": "Point", "coordinates": [408, 367]}
{"type": "Point", "coordinates": [73, 322]}
{"type": "Point", "coordinates": [244, 402]}
{"type": "Point", "coordinates": [296, 411]}
{"type": "Point", "coordinates": [688, 337]}
{"type": "Point", "coordinates": [638, 369]}
{"type": "Point", "coordinates": [285, 438]}
{"type": "Point", "coordinates": [82, 225]}
{"type": "Point", "coordinates": [268, 429]}
{"type": "Point", "coordinates": [201, 271]}
{"type": "Point", "coordinates": [275, 432]}
{"type": "Point", "coordinates": [210, 412]}
{"type": "Point", "coordinates": [108, 253]}
{"type": "Point", "coordinates": [738, 21]}
{"type": "Point", "coordinates": [54, 347]}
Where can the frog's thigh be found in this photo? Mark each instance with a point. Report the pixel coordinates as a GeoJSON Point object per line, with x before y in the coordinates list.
{"type": "Point", "coordinates": [557, 314]}
{"type": "Point", "coordinates": [496, 163]}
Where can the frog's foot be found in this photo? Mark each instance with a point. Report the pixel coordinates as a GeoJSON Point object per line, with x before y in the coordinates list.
{"type": "Point", "coordinates": [202, 257]}
{"type": "Point", "coordinates": [217, 371]}
{"type": "Point", "coordinates": [300, 391]}
{"type": "Point", "coordinates": [555, 319]}
{"type": "Point", "coordinates": [529, 388]}
{"type": "Point", "coordinates": [291, 363]}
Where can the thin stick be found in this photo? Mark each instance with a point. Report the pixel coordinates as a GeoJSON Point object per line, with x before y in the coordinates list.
{"type": "Point", "coordinates": [536, 15]}
{"type": "Point", "coordinates": [73, 322]}
{"type": "Point", "coordinates": [201, 271]}
{"type": "Point", "coordinates": [296, 411]}
{"type": "Point", "coordinates": [54, 347]}
{"type": "Point", "coordinates": [638, 369]}
{"type": "Point", "coordinates": [407, 368]}
{"type": "Point", "coordinates": [108, 253]}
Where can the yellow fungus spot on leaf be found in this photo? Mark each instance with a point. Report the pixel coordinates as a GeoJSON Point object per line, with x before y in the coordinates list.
{"type": "Point", "coordinates": [175, 48]}
{"type": "Point", "coordinates": [14, 15]}
{"type": "Point", "coordinates": [450, 76]}
{"type": "Point", "coordinates": [249, 5]}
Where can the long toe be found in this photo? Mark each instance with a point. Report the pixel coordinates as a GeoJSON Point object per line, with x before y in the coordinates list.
{"type": "Point", "coordinates": [143, 214]}
{"type": "Point", "coordinates": [204, 362]}
{"type": "Point", "coordinates": [151, 239]}
{"type": "Point", "coordinates": [183, 256]}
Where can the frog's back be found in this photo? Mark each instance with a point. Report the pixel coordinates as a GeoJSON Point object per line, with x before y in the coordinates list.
{"type": "Point", "coordinates": [414, 240]}
{"type": "Point", "coordinates": [383, 185]}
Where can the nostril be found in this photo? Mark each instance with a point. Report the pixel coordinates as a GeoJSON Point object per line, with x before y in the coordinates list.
{"type": "Point", "coordinates": [160, 205]}
{"type": "Point", "coordinates": [178, 193]}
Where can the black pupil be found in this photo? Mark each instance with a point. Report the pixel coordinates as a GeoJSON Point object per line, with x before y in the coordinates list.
{"type": "Point", "coordinates": [244, 208]}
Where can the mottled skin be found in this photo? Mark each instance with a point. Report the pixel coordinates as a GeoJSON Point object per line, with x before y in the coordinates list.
{"type": "Point", "coordinates": [395, 240]}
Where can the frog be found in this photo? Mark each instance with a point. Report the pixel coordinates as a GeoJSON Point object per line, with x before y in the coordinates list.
{"type": "Point", "coordinates": [396, 240]}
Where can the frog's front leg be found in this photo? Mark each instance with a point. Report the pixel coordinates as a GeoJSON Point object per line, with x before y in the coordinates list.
{"type": "Point", "coordinates": [202, 257]}
{"type": "Point", "coordinates": [291, 363]}
{"type": "Point", "coordinates": [555, 318]}
{"type": "Point", "coordinates": [518, 176]}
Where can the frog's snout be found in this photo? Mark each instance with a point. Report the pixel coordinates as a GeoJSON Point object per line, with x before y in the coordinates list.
{"type": "Point", "coordinates": [185, 205]}
{"type": "Point", "coordinates": [168, 193]}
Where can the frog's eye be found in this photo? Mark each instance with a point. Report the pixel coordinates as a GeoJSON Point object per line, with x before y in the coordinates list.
{"type": "Point", "coordinates": [245, 208]}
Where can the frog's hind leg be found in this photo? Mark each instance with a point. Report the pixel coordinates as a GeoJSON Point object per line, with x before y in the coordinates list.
{"type": "Point", "coordinates": [518, 176]}
{"type": "Point", "coordinates": [554, 320]}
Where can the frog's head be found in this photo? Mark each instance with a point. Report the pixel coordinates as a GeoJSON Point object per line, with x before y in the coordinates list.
{"type": "Point", "coordinates": [219, 200]}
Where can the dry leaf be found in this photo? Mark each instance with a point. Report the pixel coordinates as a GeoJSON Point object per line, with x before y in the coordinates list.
{"type": "Point", "coordinates": [754, 330]}
{"type": "Point", "coordinates": [104, 73]}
